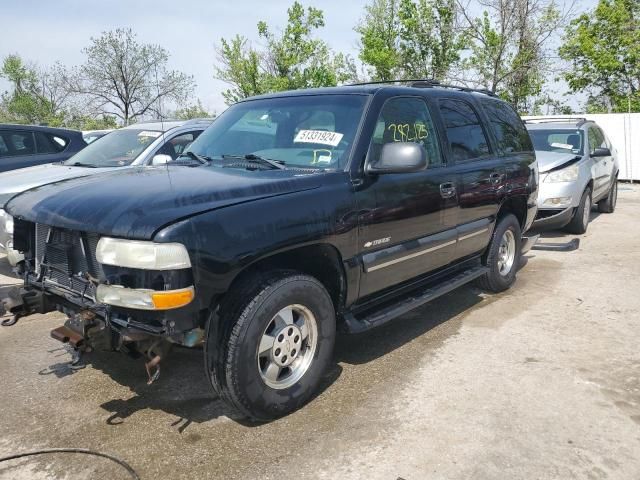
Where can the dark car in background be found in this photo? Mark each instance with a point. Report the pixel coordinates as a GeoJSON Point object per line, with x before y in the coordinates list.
{"type": "Point", "coordinates": [28, 145]}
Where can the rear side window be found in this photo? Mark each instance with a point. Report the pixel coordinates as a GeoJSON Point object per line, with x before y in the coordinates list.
{"type": "Point", "coordinates": [464, 130]}
{"type": "Point", "coordinates": [507, 126]}
{"type": "Point", "coordinates": [406, 119]}
{"type": "Point", "coordinates": [47, 143]}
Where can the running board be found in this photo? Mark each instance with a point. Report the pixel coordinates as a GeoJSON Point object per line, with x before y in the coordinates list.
{"type": "Point", "coordinates": [414, 300]}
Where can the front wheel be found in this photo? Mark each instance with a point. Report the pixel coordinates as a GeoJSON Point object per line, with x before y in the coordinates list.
{"type": "Point", "coordinates": [580, 220]}
{"type": "Point", "coordinates": [608, 204]}
{"type": "Point", "coordinates": [503, 255]}
{"type": "Point", "coordinates": [277, 338]}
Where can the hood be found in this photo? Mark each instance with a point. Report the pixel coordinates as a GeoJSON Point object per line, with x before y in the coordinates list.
{"type": "Point", "coordinates": [135, 203]}
{"type": "Point", "coordinates": [551, 160]}
{"type": "Point", "coordinates": [16, 181]}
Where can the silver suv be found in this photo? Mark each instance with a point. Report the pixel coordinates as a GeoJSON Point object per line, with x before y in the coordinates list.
{"type": "Point", "coordinates": [578, 167]}
{"type": "Point", "coordinates": [151, 143]}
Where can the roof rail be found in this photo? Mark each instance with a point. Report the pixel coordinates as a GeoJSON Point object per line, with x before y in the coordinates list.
{"type": "Point", "coordinates": [579, 120]}
{"type": "Point", "coordinates": [425, 83]}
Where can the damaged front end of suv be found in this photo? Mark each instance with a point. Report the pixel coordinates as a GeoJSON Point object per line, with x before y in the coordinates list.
{"type": "Point", "coordinates": [97, 281]}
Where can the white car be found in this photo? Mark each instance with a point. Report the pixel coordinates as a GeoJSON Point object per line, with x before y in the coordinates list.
{"type": "Point", "coordinates": [135, 146]}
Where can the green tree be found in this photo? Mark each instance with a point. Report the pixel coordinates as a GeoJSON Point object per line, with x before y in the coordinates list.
{"type": "Point", "coordinates": [379, 39]}
{"type": "Point", "coordinates": [510, 47]}
{"type": "Point", "coordinates": [196, 110]}
{"type": "Point", "coordinates": [291, 59]}
{"type": "Point", "coordinates": [127, 79]}
{"type": "Point", "coordinates": [410, 38]}
{"type": "Point", "coordinates": [26, 102]}
{"type": "Point", "coordinates": [603, 50]}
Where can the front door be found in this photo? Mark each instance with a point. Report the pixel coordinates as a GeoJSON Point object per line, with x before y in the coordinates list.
{"type": "Point", "coordinates": [407, 221]}
{"type": "Point", "coordinates": [602, 166]}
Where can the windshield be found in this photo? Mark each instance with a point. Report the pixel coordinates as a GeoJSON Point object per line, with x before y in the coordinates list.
{"type": "Point", "coordinates": [306, 131]}
{"type": "Point", "coordinates": [118, 149]}
{"type": "Point", "coordinates": [558, 140]}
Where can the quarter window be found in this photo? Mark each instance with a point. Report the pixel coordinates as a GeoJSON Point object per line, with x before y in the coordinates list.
{"type": "Point", "coordinates": [508, 128]}
{"type": "Point", "coordinates": [46, 143]}
{"type": "Point", "coordinates": [464, 131]}
{"type": "Point", "coordinates": [406, 119]}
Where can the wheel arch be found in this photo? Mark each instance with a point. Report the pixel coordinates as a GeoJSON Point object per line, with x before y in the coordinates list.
{"type": "Point", "coordinates": [516, 205]}
{"type": "Point", "coordinates": [322, 261]}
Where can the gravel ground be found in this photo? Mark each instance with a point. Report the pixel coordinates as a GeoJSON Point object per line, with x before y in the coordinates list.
{"type": "Point", "coordinates": [540, 382]}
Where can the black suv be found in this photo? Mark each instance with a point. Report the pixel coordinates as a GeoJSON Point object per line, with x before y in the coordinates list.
{"type": "Point", "coordinates": [28, 145]}
{"type": "Point", "coordinates": [293, 215]}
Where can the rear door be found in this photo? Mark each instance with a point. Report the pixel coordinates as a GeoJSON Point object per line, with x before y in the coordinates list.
{"type": "Point", "coordinates": [407, 221]}
{"type": "Point", "coordinates": [480, 174]}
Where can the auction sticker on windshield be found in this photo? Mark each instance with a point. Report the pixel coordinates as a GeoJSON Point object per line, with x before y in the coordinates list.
{"type": "Point", "coordinates": [318, 136]}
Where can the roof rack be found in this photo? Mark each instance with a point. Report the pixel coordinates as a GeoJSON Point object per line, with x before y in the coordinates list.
{"type": "Point", "coordinates": [579, 120]}
{"type": "Point", "coordinates": [425, 83]}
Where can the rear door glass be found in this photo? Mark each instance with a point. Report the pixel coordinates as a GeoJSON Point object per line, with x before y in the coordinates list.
{"type": "Point", "coordinates": [464, 130]}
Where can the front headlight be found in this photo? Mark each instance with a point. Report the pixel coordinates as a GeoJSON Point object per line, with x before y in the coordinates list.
{"type": "Point", "coordinates": [142, 299]}
{"type": "Point", "coordinates": [568, 174]}
{"type": "Point", "coordinates": [141, 254]}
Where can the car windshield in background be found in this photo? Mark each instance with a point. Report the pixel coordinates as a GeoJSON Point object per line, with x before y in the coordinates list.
{"type": "Point", "coordinates": [558, 140]}
{"type": "Point", "coordinates": [118, 149]}
{"type": "Point", "coordinates": [305, 131]}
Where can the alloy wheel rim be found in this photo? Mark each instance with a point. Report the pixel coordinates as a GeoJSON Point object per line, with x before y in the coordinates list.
{"type": "Point", "coordinates": [287, 346]}
{"type": "Point", "coordinates": [506, 253]}
{"type": "Point", "coordinates": [586, 210]}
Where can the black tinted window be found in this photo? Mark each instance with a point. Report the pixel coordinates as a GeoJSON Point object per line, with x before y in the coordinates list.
{"type": "Point", "coordinates": [507, 126]}
{"type": "Point", "coordinates": [46, 143]}
{"type": "Point", "coordinates": [464, 131]}
{"type": "Point", "coordinates": [406, 119]}
{"type": "Point", "coordinates": [16, 143]}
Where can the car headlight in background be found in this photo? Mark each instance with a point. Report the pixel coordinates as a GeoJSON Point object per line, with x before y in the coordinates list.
{"type": "Point", "coordinates": [142, 254]}
{"type": "Point", "coordinates": [7, 220]}
{"type": "Point", "coordinates": [568, 174]}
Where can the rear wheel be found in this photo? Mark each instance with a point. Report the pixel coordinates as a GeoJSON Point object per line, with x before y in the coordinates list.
{"type": "Point", "coordinates": [503, 255]}
{"type": "Point", "coordinates": [580, 220]}
{"type": "Point", "coordinates": [608, 204]}
{"type": "Point", "coordinates": [275, 342]}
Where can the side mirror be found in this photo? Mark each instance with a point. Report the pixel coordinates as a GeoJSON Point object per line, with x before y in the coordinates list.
{"type": "Point", "coordinates": [161, 159]}
{"type": "Point", "coordinates": [601, 152]}
{"type": "Point", "coordinates": [399, 157]}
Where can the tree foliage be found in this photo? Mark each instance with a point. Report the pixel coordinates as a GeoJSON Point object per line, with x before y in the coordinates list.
{"type": "Point", "coordinates": [195, 110]}
{"type": "Point", "coordinates": [410, 38]}
{"type": "Point", "coordinates": [603, 49]}
{"type": "Point", "coordinates": [126, 78]}
{"type": "Point", "coordinates": [291, 59]}
{"type": "Point", "coordinates": [509, 46]}
{"type": "Point", "coordinates": [34, 95]}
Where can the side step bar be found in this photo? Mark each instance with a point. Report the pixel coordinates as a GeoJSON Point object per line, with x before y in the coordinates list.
{"type": "Point", "coordinates": [412, 301]}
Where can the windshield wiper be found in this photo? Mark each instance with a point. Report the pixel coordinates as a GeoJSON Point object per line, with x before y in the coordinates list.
{"type": "Point", "coordinates": [203, 159]}
{"type": "Point", "coordinates": [253, 158]}
{"type": "Point", "coordinates": [80, 164]}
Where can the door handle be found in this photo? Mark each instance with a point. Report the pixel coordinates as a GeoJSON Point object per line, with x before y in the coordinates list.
{"type": "Point", "coordinates": [495, 178]}
{"type": "Point", "coordinates": [447, 190]}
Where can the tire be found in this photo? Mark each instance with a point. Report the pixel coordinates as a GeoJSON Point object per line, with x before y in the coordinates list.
{"type": "Point", "coordinates": [580, 220]}
{"type": "Point", "coordinates": [502, 274]}
{"type": "Point", "coordinates": [608, 204]}
{"type": "Point", "coordinates": [264, 386]}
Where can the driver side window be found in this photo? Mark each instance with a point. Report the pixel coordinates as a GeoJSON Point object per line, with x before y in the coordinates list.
{"type": "Point", "coordinates": [406, 119]}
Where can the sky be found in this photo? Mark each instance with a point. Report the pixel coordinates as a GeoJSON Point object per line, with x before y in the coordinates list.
{"type": "Point", "coordinates": [44, 32]}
